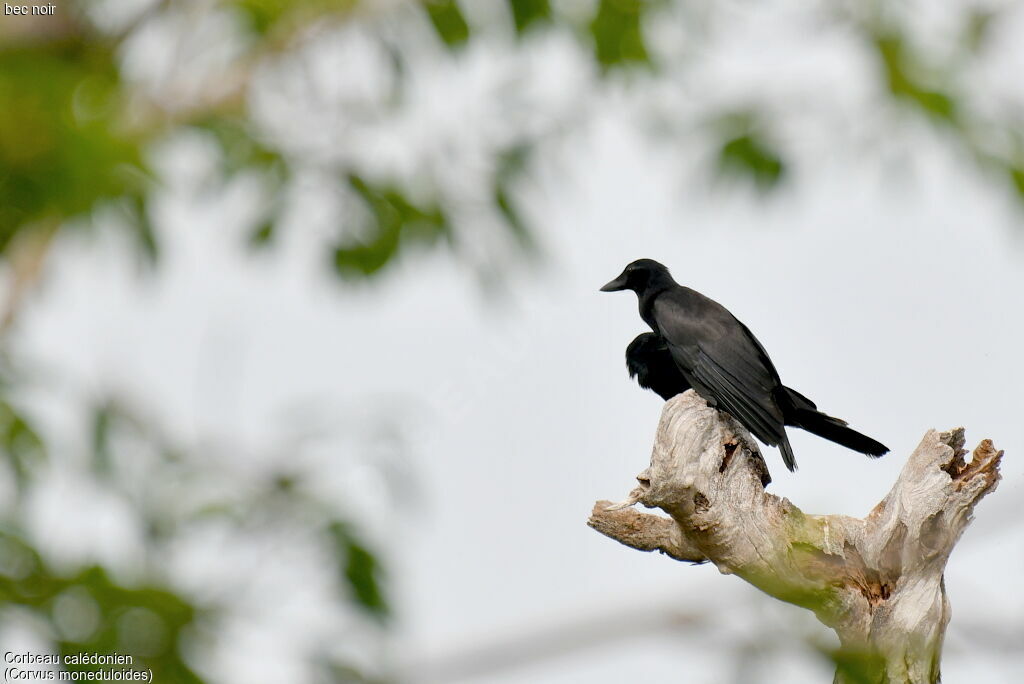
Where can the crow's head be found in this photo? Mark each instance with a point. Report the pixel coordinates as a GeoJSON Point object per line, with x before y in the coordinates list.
{"type": "Point", "coordinates": [638, 276]}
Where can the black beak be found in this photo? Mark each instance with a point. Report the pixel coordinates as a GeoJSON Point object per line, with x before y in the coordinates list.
{"type": "Point", "coordinates": [616, 285]}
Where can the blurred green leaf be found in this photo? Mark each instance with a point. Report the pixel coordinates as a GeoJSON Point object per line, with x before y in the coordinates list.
{"type": "Point", "coordinates": [451, 26]}
{"type": "Point", "coordinates": [241, 151]}
{"type": "Point", "coordinates": [395, 222]}
{"type": "Point", "coordinates": [345, 673]}
{"type": "Point", "coordinates": [906, 82]}
{"type": "Point", "coordinates": [512, 217]}
{"type": "Point", "coordinates": [21, 444]}
{"type": "Point", "coordinates": [264, 15]}
{"type": "Point", "coordinates": [746, 152]}
{"type": "Point", "coordinates": [360, 570]}
{"type": "Point", "coordinates": [102, 419]}
{"type": "Point", "coordinates": [978, 28]}
{"type": "Point", "coordinates": [62, 146]}
{"type": "Point", "coordinates": [748, 155]}
{"type": "Point", "coordinates": [529, 13]}
{"type": "Point", "coordinates": [511, 163]}
{"type": "Point", "coordinates": [617, 30]}
{"type": "Point", "coordinates": [240, 146]}
{"type": "Point", "coordinates": [137, 210]}
{"type": "Point", "coordinates": [263, 236]}
{"type": "Point", "coordinates": [1016, 175]}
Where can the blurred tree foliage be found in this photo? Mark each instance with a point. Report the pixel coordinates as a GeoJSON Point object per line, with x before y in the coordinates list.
{"type": "Point", "coordinates": [91, 614]}
{"type": "Point", "coordinates": [171, 492]}
{"type": "Point", "coordinates": [77, 132]}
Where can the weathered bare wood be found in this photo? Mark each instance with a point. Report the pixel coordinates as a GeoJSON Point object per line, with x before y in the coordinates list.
{"type": "Point", "coordinates": [876, 581]}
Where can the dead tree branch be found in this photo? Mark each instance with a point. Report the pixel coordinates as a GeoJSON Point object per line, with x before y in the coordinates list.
{"type": "Point", "coordinates": [876, 581]}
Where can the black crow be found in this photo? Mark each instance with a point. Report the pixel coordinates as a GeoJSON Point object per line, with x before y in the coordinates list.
{"type": "Point", "coordinates": [715, 354]}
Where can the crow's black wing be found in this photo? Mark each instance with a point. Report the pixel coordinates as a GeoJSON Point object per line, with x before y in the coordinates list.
{"type": "Point", "coordinates": [650, 362]}
{"type": "Point", "coordinates": [718, 354]}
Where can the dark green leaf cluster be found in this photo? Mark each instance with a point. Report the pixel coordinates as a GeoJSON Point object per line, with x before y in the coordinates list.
{"type": "Point", "coordinates": [448, 21]}
{"type": "Point", "coordinates": [91, 613]}
{"type": "Point", "coordinates": [617, 30]}
{"type": "Point", "coordinates": [394, 222]}
{"type": "Point", "coordinates": [63, 146]}
{"type": "Point", "coordinates": [361, 571]}
{"type": "Point", "coordinates": [748, 154]}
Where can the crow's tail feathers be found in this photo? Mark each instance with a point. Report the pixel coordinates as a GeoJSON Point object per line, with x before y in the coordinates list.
{"type": "Point", "coordinates": [787, 452]}
{"type": "Point", "coordinates": [803, 414]}
{"type": "Point", "coordinates": [836, 431]}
